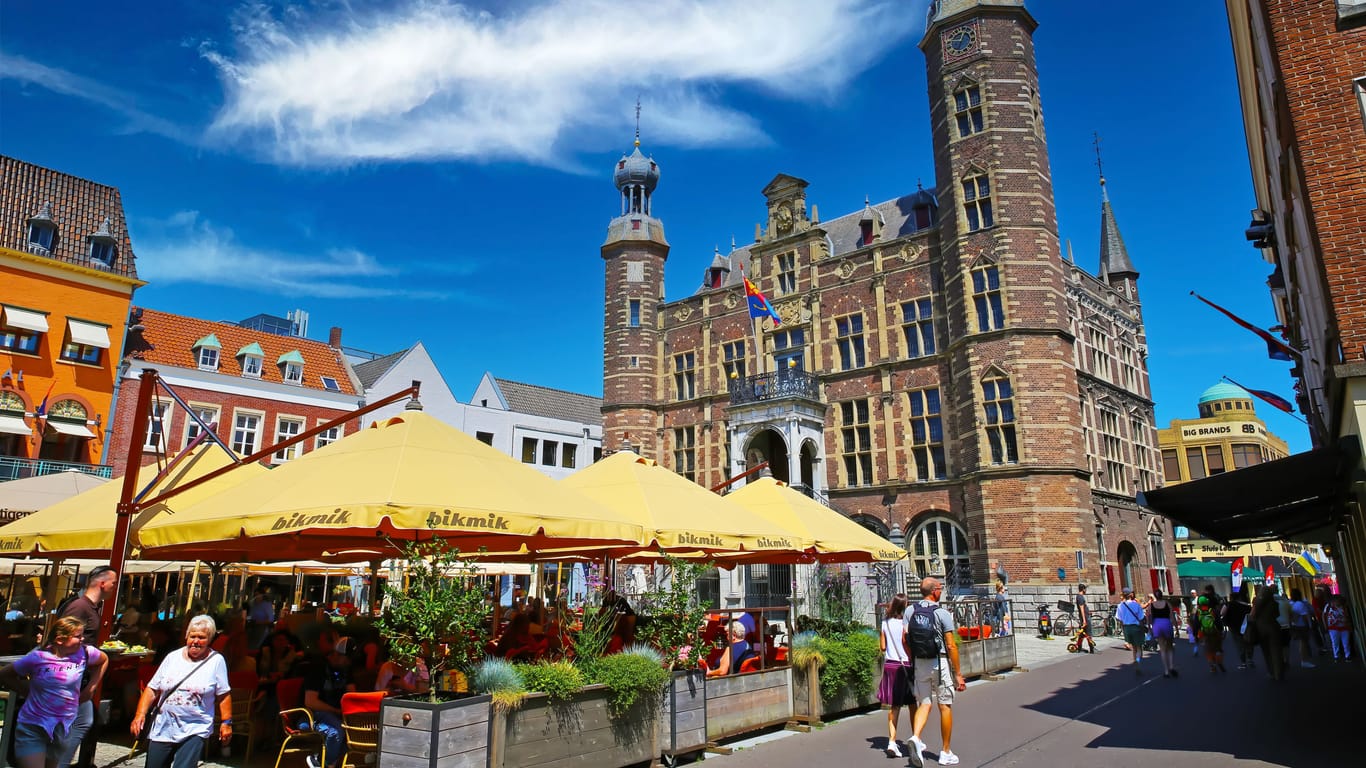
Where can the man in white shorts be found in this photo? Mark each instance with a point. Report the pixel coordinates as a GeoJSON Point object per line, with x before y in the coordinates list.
{"type": "Point", "coordinates": [931, 638]}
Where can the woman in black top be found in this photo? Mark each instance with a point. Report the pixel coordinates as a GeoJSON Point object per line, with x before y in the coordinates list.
{"type": "Point", "coordinates": [1235, 611]}
{"type": "Point", "coordinates": [1160, 618]}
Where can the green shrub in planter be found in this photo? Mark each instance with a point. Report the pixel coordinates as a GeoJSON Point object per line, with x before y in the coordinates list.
{"type": "Point", "coordinates": [844, 659]}
{"type": "Point", "coordinates": [637, 673]}
{"type": "Point", "coordinates": [558, 680]}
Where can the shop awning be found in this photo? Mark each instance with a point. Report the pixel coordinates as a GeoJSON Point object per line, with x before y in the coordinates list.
{"type": "Point", "coordinates": [1195, 569]}
{"type": "Point", "coordinates": [89, 334]}
{"type": "Point", "coordinates": [14, 425]}
{"type": "Point", "coordinates": [68, 428]}
{"type": "Point", "coordinates": [1298, 498]}
{"type": "Point", "coordinates": [25, 318]}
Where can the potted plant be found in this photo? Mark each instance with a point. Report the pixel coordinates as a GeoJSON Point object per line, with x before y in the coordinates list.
{"type": "Point", "coordinates": [438, 615]}
{"type": "Point", "coordinates": [834, 673]}
{"type": "Point", "coordinates": [676, 618]}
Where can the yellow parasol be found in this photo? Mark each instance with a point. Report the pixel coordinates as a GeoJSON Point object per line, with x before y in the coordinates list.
{"type": "Point", "coordinates": [677, 514]}
{"type": "Point", "coordinates": [836, 537]}
{"type": "Point", "coordinates": [409, 477]}
{"type": "Point", "coordinates": [83, 525]}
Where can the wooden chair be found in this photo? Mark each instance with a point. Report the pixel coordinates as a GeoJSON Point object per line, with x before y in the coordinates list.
{"type": "Point", "coordinates": [360, 723]}
{"type": "Point", "coordinates": [246, 709]}
{"type": "Point", "coordinates": [298, 740]}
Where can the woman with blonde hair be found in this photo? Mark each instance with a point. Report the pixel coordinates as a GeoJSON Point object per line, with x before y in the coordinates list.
{"type": "Point", "coordinates": [181, 698]}
{"type": "Point", "coordinates": [54, 676]}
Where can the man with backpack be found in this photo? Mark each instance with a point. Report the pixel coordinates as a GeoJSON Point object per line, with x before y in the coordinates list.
{"type": "Point", "coordinates": [931, 639]}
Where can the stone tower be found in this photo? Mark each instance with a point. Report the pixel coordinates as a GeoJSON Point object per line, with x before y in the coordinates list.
{"type": "Point", "coordinates": [1018, 434]}
{"type": "Point", "coordinates": [634, 253]}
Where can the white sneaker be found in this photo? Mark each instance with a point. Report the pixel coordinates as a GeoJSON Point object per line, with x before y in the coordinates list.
{"type": "Point", "coordinates": [893, 750]}
{"type": "Point", "coordinates": [917, 750]}
{"type": "Point", "coordinates": [948, 758]}
{"type": "Point", "coordinates": [312, 761]}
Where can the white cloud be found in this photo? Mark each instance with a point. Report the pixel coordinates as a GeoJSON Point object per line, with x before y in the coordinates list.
{"type": "Point", "coordinates": [186, 248]}
{"type": "Point", "coordinates": [66, 83]}
{"type": "Point", "coordinates": [434, 79]}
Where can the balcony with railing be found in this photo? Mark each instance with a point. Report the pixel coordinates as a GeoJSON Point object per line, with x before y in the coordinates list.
{"type": "Point", "coordinates": [16, 468]}
{"type": "Point", "coordinates": [777, 385]}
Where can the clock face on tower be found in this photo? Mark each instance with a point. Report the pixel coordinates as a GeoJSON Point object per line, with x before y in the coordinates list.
{"type": "Point", "coordinates": [960, 41]}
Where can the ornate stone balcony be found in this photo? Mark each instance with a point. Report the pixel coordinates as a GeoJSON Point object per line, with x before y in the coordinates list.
{"type": "Point", "coordinates": [778, 385]}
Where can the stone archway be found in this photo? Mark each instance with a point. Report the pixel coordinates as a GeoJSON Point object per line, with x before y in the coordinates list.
{"type": "Point", "coordinates": [810, 460]}
{"type": "Point", "coordinates": [768, 445]}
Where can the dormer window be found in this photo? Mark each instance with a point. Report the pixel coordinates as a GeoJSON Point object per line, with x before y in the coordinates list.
{"type": "Point", "coordinates": [291, 367]}
{"type": "Point", "coordinates": [103, 245]}
{"type": "Point", "coordinates": [206, 353]}
{"type": "Point", "coordinates": [42, 230]}
{"type": "Point", "coordinates": [251, 357]}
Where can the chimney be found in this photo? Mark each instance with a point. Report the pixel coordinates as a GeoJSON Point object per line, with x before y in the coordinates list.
{"type": "Point", "coordinates": [334, 337]}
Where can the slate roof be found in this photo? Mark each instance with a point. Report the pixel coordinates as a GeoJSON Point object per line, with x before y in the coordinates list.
{"type": "Point", "coordinates": [551, 403]}
{"type": "Point", "coordinates": [844, 232]}
{"type": "Point", "coordinates": [77, 206]}
{"type": "Point", "coordinates": [371, 371]}
{"type": "Point", "coordinates": [1114, 257]}
{"type": "Point", "coordinates": [167, 339]}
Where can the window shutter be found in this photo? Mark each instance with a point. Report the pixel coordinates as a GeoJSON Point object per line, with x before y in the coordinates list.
{"type": "Point", "coordinates": [1156, 577]}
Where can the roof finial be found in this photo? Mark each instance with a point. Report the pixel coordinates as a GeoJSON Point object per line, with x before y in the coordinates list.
{"type": "Point", "coordinates": [1095, 141]}
{"type": "Point", "coordinates": [732, 242]}
{"type": "Point", "coordinates": [637, 121]}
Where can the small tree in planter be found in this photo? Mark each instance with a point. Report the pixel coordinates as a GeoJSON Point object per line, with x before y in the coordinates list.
{"type": "Point", "coordinates": [439, 614]}
{"type": "Point", "coordinates": [676, 615]}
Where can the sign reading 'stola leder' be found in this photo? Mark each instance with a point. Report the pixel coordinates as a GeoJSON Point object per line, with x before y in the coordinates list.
{"type": "Point", "coordinates": [1223, 429]}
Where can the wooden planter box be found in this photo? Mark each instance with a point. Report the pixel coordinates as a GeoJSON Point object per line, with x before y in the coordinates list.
{"type": "Point", "coordinates": [809, 706]}
{"type": "Point", "coordinates": [737, 704]}
{"type": "Point", "coordinates": [422, 734]}
{"type": "Point", "coordinates": [683, 715]}
{"type": "Point", "coordinates": [579, 732]}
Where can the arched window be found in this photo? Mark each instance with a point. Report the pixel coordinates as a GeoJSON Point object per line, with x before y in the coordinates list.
{"type": "Point", "coordinates": [939, 547]}
{"type": "Point", "coordinates": [1127, 555]}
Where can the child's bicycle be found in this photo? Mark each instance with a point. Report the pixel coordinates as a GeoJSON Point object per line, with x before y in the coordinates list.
{"type": "Point", "coordinates": [1082, 636]}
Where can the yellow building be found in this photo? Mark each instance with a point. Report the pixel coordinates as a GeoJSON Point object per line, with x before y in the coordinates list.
{"type": "Point", "coordinates": [1228, 436]}
{"type": "Point", "coordinates": [67, 276]}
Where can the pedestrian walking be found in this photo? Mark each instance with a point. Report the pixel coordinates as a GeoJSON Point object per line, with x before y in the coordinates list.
{"type": "Point", "coordinates": [100, 584]}
{"type": "Point", "coordinates": [189, 687]}
{"type": "Point", "coordinates": [931, 639]}
{"type": "Point", "coordinates": [1160, 619]}
{"type": "Point", "coordinates": [1235, 621]}
{"type": "Point", "coordinates": [1264, 620]}
{"type": "Point", "coordinates": [1131, 617]}
{"type": "Point", "coordinates": [897, 688]}
{"type": "Point", "coordinates": [1301, 624]}
{"type": "Point", "coordinates": [1339, 628]}
{"type": "Point", "coordinates": [1192, 631]}
{"type": "Point", "coordinates": [1211, 633]}
{"type": "Point", "coordinates": [1083, 621]}
{"type": "Point", "coordinates": [48, 728]}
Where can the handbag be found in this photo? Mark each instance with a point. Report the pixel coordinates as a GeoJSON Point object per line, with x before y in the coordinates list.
{"type": "Point", "coordinates": [155, 712]}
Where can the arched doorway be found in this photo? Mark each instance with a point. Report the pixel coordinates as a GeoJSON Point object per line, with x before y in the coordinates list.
{"type": "Point", "coordinates": [939, 547]}
{"type": "Point", "coordinates": [1128, 553]}
{"type": "Point", "coordinates": [768, 445]}
{"type": "Point", "coordinates": [809, 461]}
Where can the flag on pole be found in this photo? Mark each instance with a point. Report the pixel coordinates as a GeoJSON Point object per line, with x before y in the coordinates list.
{"type": "Point", "coordinates": [1270, 576]}
{"type": "Point", "coordinates": [759, 307]}
{"type": "Point", "coordinates": [41, 411]}
{"type": "Point", "coordinates": [1275, 348]}
{"type": "Point", "coordinates": [1237, 573]}
{"type": "Point", "coordinates": [1275, 400]}
{"type": "Point", "coordinates": [1308, 563]}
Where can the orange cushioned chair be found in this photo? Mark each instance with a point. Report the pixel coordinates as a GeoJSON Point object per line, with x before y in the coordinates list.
{"type": "Point", "coordinates": [246, 708]}
{"type": "Point", "coordinates": [360, 722]}
{"type": "Point", "coordinates": [298, 740]}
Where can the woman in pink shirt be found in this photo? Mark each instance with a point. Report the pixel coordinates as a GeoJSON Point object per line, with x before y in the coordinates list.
{"type": "Point", "coordinates": [47, 734]}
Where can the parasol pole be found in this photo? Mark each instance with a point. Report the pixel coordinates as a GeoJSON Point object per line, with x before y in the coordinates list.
{"type": "Point", "coordinates": [194, 584]}
{"type": "Point", "coordinates": [123, 515]}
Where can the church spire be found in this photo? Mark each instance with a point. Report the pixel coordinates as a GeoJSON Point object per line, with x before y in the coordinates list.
{"type": "Point", "coordinates": [1114, 257]}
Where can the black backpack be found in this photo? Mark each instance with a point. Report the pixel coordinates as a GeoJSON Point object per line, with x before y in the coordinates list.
{"type": "Point", "coordinates": [922, 631]}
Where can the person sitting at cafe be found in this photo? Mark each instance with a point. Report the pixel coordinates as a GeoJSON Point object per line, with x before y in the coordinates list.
{"type": "Point", "coordinates": [736, 652]}
{"type": "Point", "coordinates": [623, 634]}
{"type": "Point", "coordinates": [398, 679]}
{"type": "Point", "coordinates": [327, 676]}
{"type": "Point", "coordinates": [517, 642]}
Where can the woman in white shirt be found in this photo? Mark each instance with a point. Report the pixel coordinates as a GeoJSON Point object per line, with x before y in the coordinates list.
{"type": "Point", "coordinates": [895, 690]}
{"type": "Point", "coordinates": [190, 684]}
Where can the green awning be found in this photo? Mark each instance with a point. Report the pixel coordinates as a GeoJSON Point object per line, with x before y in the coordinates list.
{"type": "Point", "coordinates": [1197, 569]}
{"type": "Point", "coordinates": [253, 349]}
{"type": "Point", "coordinates": [291, 356]}
{"type": "Point", "coordinates": [210, 342]}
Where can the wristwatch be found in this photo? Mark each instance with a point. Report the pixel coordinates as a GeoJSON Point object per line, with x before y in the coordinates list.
{"type": "Point", "coordinates": [227, 722]}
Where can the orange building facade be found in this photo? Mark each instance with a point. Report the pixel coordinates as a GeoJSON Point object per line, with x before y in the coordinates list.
{"type": "Point", "coordinates": [67, 278]}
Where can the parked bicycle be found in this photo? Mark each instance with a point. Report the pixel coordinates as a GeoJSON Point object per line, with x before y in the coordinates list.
{"type": "Point", "coordinates": [1064, 623]}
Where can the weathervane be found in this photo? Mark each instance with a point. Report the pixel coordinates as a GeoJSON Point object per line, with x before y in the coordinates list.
{"type": "Point", "coordinates": [1096, 142]}
{"type": "Point", "coordinates": [637, 121]}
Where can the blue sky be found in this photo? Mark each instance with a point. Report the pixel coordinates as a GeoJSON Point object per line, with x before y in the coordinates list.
{"type": "Point", "coordinates": [434, 171]}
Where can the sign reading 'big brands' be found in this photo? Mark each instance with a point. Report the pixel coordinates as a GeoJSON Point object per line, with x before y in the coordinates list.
{"type": "Point", "coordinates": [1224, 429]}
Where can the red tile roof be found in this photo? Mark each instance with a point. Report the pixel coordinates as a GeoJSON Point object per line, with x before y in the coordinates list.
{"type": "Point", "coordinates": [168, 339]}
{"type": "Point", "coordinates": [78, 208]}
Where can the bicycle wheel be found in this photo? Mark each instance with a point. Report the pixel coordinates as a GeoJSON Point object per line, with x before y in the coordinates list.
{"type": "Point", "coordinates": [1109, 626]}
{"type": "Point", "coordinates": [1062, 624]}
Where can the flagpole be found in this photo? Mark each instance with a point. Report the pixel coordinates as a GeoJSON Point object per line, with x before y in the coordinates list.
{"type": "Point", "coordinates": [753, 334]}
{"type": "Point", "coordinates": [1287, 413]}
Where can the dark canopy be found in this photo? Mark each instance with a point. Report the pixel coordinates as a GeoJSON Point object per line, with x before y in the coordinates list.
{"type": "Point", "coordinates": [1298, 498]}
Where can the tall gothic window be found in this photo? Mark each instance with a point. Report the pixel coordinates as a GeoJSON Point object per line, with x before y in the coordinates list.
{"type": "Point", "coordinates": [927, 435]}
{"type": "Point", "coordinates": [917, 318]}
{"type": "Point", "coordinates": [998, 404]}
{"type": "Point", "coordinates": [787, 273]}
{"type": "Point", "coordinates": [856, 442]}
{"type": "Point", "coordinates": [685, 383]}
{"type": "Point", "coordinates": [685, 452]}
{"type": "Point", "coordinates": [849, 337]}
{"type": "Point", "coordinates": [967, 106]}
{"type": "Point", "coordinates": [977, 202]}
{"type": "Point", "coordinates": [1112, 447]}
{"type": "Point", "coordinates": [986, 298]}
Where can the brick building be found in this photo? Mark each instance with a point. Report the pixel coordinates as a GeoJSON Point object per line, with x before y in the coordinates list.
{"type": "Point", "coordinates": [258, 387]}
{"type": "Point", "coordinates": [67, 277]}
{"type": "Point", "coordinates": [940, 368]}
